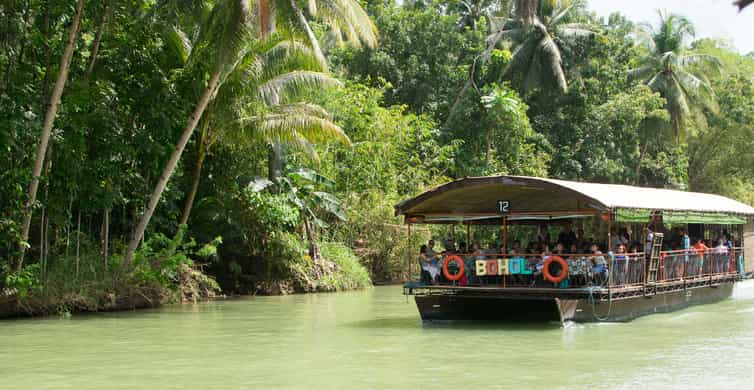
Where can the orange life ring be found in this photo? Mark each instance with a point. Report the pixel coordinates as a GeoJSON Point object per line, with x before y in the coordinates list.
{"type": "Point", "coordinates": [546, 269]}
{"type": "Point", "coordinates": [461, 268]}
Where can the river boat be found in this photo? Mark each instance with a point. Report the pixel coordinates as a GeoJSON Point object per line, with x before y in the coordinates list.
{"type": "Point", "coordinates": [581, 287]}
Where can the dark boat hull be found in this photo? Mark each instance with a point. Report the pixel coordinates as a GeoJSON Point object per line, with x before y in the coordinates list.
{"type": "Point", "coordinates": [498, 307]}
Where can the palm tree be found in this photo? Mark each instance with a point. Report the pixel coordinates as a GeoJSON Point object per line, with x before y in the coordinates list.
{"type": "Point", "coordinates": [223, 37]}
{"type": "Point", "coordinates": [540, 31]}
{"type": "Point", "coordinates": [52, 111]}
{"type": "Point", "coordinates": [345, 18]}
{"type": "Point", "coordinates": [665, 68]}
{"type": "Point", "coordinates": [264, 83]}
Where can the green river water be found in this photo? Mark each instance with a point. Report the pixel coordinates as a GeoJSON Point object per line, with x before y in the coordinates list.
{"type": "Point", "coordinates": [374, 340]}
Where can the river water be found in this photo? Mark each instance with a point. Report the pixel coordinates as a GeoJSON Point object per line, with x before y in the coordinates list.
{"type": "Point", "coordinates": [374, 339]}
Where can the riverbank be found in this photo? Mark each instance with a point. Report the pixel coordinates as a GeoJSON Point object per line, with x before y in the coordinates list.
{"type": "Point", "coordinates": [155, 283]}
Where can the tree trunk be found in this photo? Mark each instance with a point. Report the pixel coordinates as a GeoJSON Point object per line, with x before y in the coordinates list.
{"type": "Point", "coordinates": [313, 247]}
{"type": "Point", "coordinates": [642, 153]}
{"type": "Point", "coordinates": [170, 167]}
{"type": "Point", "coordinates": [266, 19]}
{"type": "Point", "coordinates": [52, 110]}
{"type": "Point", "coordinates": [489, 146]}
{"type": "Point", "coordinates": [201, 152]}
{"type": "Point", "coordinates": [78, 240]}
{"type": "Point", "coordinates": [97, 40]}
{"type": "Point", "coordinates": [310, 34]}
{"type": "Point", "coordinates": [106, 235]}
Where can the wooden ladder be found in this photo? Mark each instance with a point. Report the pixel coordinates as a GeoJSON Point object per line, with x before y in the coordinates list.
{"type": "Point", "coordinates": [653, 264]}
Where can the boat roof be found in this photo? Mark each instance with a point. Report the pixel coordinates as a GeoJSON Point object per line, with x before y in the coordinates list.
{"type": "Point", "coordinates": [478, 197]}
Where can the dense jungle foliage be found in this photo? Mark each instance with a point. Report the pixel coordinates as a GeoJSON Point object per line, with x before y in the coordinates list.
{"type": "Point", "coordinates": [148, 144]}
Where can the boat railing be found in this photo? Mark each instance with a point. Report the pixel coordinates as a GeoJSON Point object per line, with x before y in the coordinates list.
{"type": "Point", "coordinates": [526, 270]}
{"type": "Point", "coordinates": [584, 270]}
{"type": "Point", "coordinates": [626, 269]}
{"type": "Point", "coordinates": [688, 264]}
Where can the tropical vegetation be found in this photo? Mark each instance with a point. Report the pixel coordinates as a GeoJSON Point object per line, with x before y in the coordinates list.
{"type": "Point", "coordinates": [172, 151]}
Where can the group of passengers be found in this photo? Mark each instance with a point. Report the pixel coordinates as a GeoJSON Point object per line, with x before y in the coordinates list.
{"type": "Point", "coordinates": [586, 262]}
{"type": "Point", "coordinates": [697, 256]}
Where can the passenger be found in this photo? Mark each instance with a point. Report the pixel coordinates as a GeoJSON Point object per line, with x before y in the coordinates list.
{"type": "Point", "coordinates": [686, 246]}
{"type": "Point", "coordinates": [431, 254]}
{"type": "Point", "coordinates": [620, 265]}
{"type": "Point", "coordinates": [616, 240]}
{"type": "Point", "coordinates": [463, 248]}
{"type": "Point", "coordinates": [428, 270]}
{"type": "Point", "coordinates": [581, 241]}
{"type": "Point", "coordinates": [516, 248]}
{"type": "Point", "coordinates": [574, 249]}
{"type": "Point", "coordinates": [721, 256]}
{"type": "Point", "coordinates": [567, 236]}
{"type": "Point", "coordinates": [649, 237]}
{"type": "Point", "coordinates": [478, 252]}
{"type": "Point", "coordinates": [560, 249]}
{"type": "Point", "coordinates": [493, 249]}
{"type": "Point", "coordinates": [599, 265]}
{"type": "Point", "coordinates": [701, 249]}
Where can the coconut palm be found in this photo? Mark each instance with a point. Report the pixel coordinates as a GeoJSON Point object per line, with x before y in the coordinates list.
{"type": "Point", "coordinates": [666, 67]}
{"type": "Point", "coordinates": [346, 20]}
{"type": "Point", "coordinates": [261, 89]}
{"type": "Point", "coordinates": [223, 37]}
{"type": "Point", "coordinates": [540, 31]}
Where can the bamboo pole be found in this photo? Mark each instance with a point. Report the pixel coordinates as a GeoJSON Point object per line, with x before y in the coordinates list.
{"type": "Point", "coordinates": [408, 253]}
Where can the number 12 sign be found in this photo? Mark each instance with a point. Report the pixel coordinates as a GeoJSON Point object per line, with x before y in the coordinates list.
{"type": "Point", "coordinates": [503, 206]}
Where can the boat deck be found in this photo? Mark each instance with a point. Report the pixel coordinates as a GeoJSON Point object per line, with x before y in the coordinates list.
{"type": "Point", "coordinates": [597, 293]}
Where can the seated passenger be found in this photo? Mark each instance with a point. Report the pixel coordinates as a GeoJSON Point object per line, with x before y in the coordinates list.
{"type": "Point", "coordinates": [428, 270]}
{"type": "Point", "coordinates": [599, 265]}
{"type": "Point", "coordinates": [516, 248]}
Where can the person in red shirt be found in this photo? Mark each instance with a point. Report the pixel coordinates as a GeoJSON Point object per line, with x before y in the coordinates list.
{"type": "Point", "coordinates": [700, 250]}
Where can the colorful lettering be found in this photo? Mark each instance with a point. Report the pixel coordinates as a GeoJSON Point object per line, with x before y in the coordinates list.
{"type": "Point", "coordinates": [481, 268]}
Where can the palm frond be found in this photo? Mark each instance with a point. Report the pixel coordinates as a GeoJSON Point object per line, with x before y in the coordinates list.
{"type": "Point", "coordinates": [178, 43]}
{"type": "Point", "coordinates": [351, 18]}
{"type": "Point", "coordinates": [641, 72]}
{"type": "Point", "coordinates": [292, 84]}
{"type": "Point", "coordinates": [551, 62]}
{"type": "Point", "coordinates": [289, 126]}
{"type": "Point", "coordinates": [225, 31]}
{"type": "Point", "coordinates": [704, 59]}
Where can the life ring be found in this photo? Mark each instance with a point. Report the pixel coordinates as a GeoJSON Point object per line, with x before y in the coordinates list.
{"type": "Point", "coordinates": [461, 268]}
{"type": "Point", "coordinates": [546, 269]}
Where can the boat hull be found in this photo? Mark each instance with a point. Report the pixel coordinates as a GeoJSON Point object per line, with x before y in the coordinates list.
{"type": "Point", "coordinates": [499, 307]}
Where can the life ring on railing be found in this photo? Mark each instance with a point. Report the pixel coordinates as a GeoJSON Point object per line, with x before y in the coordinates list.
{"type": "Point", "coordinates": [461, 269]}
{"type": "Point", "coordinates": [546, 269]}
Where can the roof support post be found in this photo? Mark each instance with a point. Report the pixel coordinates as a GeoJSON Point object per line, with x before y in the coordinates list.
{"type": "Point", "coordinates": [505, 235]}
{"type": "Point", "coordinates": [408, 253]}
{"type": "Point", "coordinates": [468, 237]}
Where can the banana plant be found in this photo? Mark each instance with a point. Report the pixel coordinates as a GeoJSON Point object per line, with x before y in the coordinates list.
{"type": "Point", "coordinates": [306, 189]}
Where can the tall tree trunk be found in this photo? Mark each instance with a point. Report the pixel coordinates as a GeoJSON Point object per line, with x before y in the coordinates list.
{"type": "Point", "coordinates": [642, 153]}
{"type": "Point", "coordinates": [266, 18]}
{"type": "Point", "coordinates": [313, 247]}
{"type": "Point", "coordinates": [52, 110]}
{"type": "Point", "coordinates": [170, 167]}
{"type": "Point", "coordinates": [310, 34]}
{"type": "Point", "coordinates": [78, 240]}
{"type": "Point", "coordinates": [106, 235]}
{"type": "Point", "coordinates": [97, 40]}
{"type": "Point", "coordinates": [489, 146]}
{"type": "Point", "coordinates": [196, 177]}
